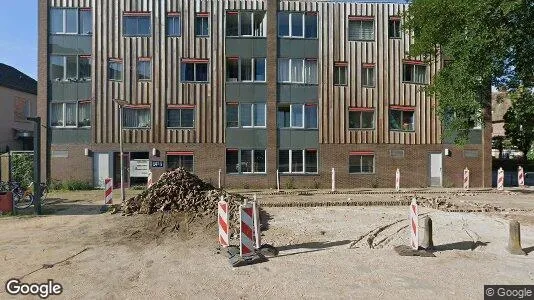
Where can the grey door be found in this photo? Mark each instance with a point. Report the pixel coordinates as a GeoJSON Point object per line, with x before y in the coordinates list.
{"type": "Point", "coordinates": [436, 172]}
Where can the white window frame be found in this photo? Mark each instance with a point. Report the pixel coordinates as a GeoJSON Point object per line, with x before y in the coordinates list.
{"type": "Point", "coordinates": [303, 161]}
{"type": "Point", "coordinates": [65, 65]}
{"type": "Point", "coordinates": [253, 12]}
{"type": "Point", "coordinates": [64, 14]}
{"type": "Point", "coordinates": [253, 70]}
{"type": "Point", "coordinates": [290, 24]}
{"type": "Point", "coordinates": [239, 161]}
{"type": "Point", "coordinates": [361, 163]}
{"type": "Point", "coordinates": [304, 77]}
{"type": "Point", "coordinates": [291, 116]}
{"type": "Point", "coordinates": [64, 113]}
{"type": "Point", "coordinates": [252, 115]}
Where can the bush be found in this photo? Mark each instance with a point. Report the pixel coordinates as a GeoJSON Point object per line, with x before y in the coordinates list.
{"type": "Point", "coordinates": [22, 169]}
{"type": "Point", "coordinates": [70, 185]}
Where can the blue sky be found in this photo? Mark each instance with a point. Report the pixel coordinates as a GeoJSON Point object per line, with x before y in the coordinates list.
{"type": "Point", "coordinates": [18, 35]}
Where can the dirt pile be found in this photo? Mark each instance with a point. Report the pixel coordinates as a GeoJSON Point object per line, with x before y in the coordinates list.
{"type": "Point", "coordinates": [179, 191]}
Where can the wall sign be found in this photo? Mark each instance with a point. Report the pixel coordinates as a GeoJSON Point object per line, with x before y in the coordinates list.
{"type": "Point", "coordinates": [157, 164]}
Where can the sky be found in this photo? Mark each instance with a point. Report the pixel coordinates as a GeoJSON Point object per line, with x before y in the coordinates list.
{"type": "Point", "coordinates": [18, 35]}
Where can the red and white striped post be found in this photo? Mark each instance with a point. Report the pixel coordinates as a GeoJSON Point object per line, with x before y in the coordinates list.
{"type": "Point", "coordinates": [149, 182]}
{"type": "Point", "coordinates": [500, 179]}
{"type": "Point", "coordinates": [414, 225]}
{"type": "Point", "coordinates": [246, 245]}
{"type": "Point", "coordinates": [466, 179]}
{"type": "Point", "coordinates": [224, 227]}
{"type": "Point", "coordinates": [108, 198]}
{"type": "Point", "coordinates": [397, 180]}
{"type": "Point", "coordinates": [520, 177]}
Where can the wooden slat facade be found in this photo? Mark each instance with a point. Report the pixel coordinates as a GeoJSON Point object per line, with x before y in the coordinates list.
{"type": "Point", "coordinates": [166, 53]}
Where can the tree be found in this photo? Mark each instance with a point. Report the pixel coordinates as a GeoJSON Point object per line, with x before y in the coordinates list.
{"type": "Point", "coordinates": [485, 42]}
{"type": "Point", "coordinates": [518, 120]}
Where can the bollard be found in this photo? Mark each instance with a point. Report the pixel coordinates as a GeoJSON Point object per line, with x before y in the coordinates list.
{"type": "Point", "coordinates": [520, 177]}
{"type": "Point", "coordinates": [466, 179]}
{"type": "Point", "coordinates": [500, 179]}
{"type": "Point", "coordinates": [277, 180]}
{"type": "Point", "coordinates": [108, 198]}
{"type": "Point", "coordinates": [224, 227]}
{"type": "Point", "coordinates": [414, 224]}
{"type": "Point", "coordinates": [514, 241]}
{"type": "Point", "coordinates": [428, 242]}
{"type": "Point", "coordinates": [397, 180]}
{"type": "Point", "coordinates": [149, 181]}
{"type": "Point", "coordinates": [220, 178]}
{"type": "Point", "coordinates": [256, 217]}
{"type": "Point", "coordinates": [333, 180]}
{"type": "Point", "coordinates": [246, 245]}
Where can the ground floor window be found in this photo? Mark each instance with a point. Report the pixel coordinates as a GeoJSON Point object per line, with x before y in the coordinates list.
{"type": "Point", "coordinates": [177, 160]}
{"type": "Point", "coordinates": [246, 161]}
{"type": "Point", "coordinates": [297, 161]}
{"type": "Point", "coordinates": [361, 163]}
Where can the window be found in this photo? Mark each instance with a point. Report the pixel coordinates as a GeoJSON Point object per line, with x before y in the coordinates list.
{"type": "Point", "coordinates": [202, 25]}
{"type": "Point", "coordinates": [297, 25]}
{"type": "Point", "coordinates": [144, 69]}
{"type": "Point", "coordinates": [361, 29]}
{"type": "Point", "coordinates": [70, 68]}
{"type": "Point", "coordinates": [245, 161]}
{"type": "Point", "coordinates": [297, 116]}
{"type": "Point", "coordinates": [297, 161]}
{"type": "Point", "coordinates": [297, 70]}
{"type": "Point", "coordinates": [174, 25]}
{"type": "Point", "coordinates": [247, 115]}
{"type": "Point", "coordinates": [177, 160]}
{"type": "Point", "coordinates": [181, 117]}
{"type": "Point", "coordinates": [70, 114]}
{"type": "Point", "coordinates": [86, 21]}
{"type": "Point", "coordinates": [361, 163]}
{"type": "Point", "coordinates": [136, 25]}
{"type": "Point", "coordinates": [361, 118]}
{"type": "Point", "coordinates": [245, 69]}
{"type": "Point", "coordinates": [414, 73]}
{"type": "Point", "coordinates": [136, 117]}
{"type": "Point", "coordinates": [71, 21]}
{"type": "Point", "coordinates": [401, 119]}
{"type": "Point", "coordinates": [340, 74]}
{"type": "Point", "coordinates": [115, 70]}
{"type": "Point", "coordinates": [394, 28]}
{"type": "Point", "coordinates": [194, 71]}
{"type": "Point", "coordinates": [368, 75]}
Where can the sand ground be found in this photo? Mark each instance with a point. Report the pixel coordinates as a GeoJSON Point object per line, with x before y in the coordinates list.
{"type": "Point", "coordinates": [123, 257]}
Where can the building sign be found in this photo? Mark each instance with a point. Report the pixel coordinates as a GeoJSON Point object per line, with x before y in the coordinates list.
{"type": "Point", "coordinates": [139, 168]}
{"type": "Point", "coordinates": [157, 164]}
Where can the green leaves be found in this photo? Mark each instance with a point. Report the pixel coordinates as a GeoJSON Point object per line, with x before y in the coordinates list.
{"type": "Point", "coordinates": [491, 42]}
{"type": "Point", "coordinates": [519, 126]}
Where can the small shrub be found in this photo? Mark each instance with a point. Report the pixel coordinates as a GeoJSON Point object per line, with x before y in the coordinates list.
{"type": "Point", "coordinates": [76, 185]}
{"type": "Point", "coordinates": [55, 185]}
{"type": "Point", "coordinates": [22, 165]}
{"type": "Point", "coordinates": [290, 183]}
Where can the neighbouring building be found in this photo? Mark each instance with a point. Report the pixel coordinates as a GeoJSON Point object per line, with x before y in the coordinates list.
{"type": "Point", "coordinates": [247, 88]}
{"type": "Point", "coordinates": [18, 101]}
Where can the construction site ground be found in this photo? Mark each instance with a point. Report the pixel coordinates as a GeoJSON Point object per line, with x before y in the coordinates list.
{"type": "Point", "coordinates": [339, 248]}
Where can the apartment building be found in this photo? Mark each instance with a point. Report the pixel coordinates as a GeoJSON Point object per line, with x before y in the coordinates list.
{"type": "Point", "coordinates": [244, 88]}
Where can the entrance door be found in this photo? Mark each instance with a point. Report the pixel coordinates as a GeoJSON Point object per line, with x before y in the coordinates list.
{"type": "Point", "coordinates": [101, 169]}
{"type": "Point", "coordinates": [436, 174]}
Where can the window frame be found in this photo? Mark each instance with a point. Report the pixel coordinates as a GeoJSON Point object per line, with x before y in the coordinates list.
{"type": "Point", "coordinates": [402, 110]}
{"type": "Point", "coordinates": [115, 61]}
{"type": "Point", "coordinates": [361, 111]}
{"type": "Point", "coordinates": [180, 108]}
{"type": "Point", "coordinates": [361, 155]}
{"type": "Point", "coordinates": [360, 20]}
{"type": "Point", "coordinates": [202, 16]}
{"type": "Point", "coordinates": [253, 69]}
{"type": "Point", "coordinates": [305, 121]}
{"type": "Point", "coordinates": [366, 68]}
{"type": "Point", "coordinates": [290, 161]}
{"type": "Point", "coordinates": [303, 22]}
{"type": "Point", "coordinates": [413, 65]}
{"type": "Point", "coordinates": [64, 20]}
{"type": "Point", "coordinates": [179, 154]}
{"type": "Point", "coordinates": [77, 71]}
{"type": "Point", "coordinates": [137, 108]}
{"type": "Point", "coordinates": [195, 63]}
{"type": "Point", "coordinates": [137, 16]}
{"type": "Point", "coordinates": [253, 18]}
{"type": "Point", "coordinates": [305, 79]}
{"type": "Point", "coordinates": [64, 113]}
{"type": "Point", "coordinates": [239, 161]}
{"type": "Point", "coordinates": [173, 16]}
{"type": "Point", "coordinates": [397, 32]}
{"type": "Point", "coordinates": [341, 66]}
{"type": "Point", "coordinates": [252, 114]}
{"type": "Point", "coordinates": [143, 61]}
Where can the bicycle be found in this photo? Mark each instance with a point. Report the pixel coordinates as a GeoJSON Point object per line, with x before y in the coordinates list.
{"type": "Point", "coordinates": [24, 198]}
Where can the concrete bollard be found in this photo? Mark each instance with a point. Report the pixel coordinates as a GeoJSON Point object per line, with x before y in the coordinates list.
{"type": "Point", "coordinates": [514, 241]}
{"type": "Point", "coordinates": [428, 242]}
{"type": "Point", "coordinates": [219, 181]}
{"type": "Point", "coordinates": [333, 180]}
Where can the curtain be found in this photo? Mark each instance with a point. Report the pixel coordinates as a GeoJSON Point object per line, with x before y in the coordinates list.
{"type": "Point", "coordinates": [420, 74]}
{"type": "Point", "coordinates": [296, 70]}
{"type": "Point", "coordinates": [84, 114]}
{"type": "Point", "coordinates": [70, 114]}
{"type": "Point", "coordinates": [246, 69]}
{"type": "Point", "coordinates": [296, 115]}
{"type": "Point", "coordinates": [311, 71]}
{"type": "Point", "coordinates": [56, 114]}
{"type": "Point", "coordinates": [311, 116]}
{"type": "Point", "coordinates": [283, 70]}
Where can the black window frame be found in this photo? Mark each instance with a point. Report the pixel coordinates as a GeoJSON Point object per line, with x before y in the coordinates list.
{"type": "Point", "coordinates": [239, 164]}
{"type": "Point", "coordinates": [195, 64]}
{"type": "Point", "coordinates": [202, 34]}
{"type": "Point", "coordinates": [401, 124]}
{"type": "Point", "coordinates": [121, 70]}
{"type": "Point", "coordinates": [360, 157]}
{"type": "Point", "coordinates": [338, 71]}
{"type": "Point", "coordinates": [141, 66]}
{"type": "Point", "coordinates": [181, 160]}
{"type": "Point", "coordinates": [411, 73]}
{"type": "Point", "coordinates": [359, 114]}
{"type": "Point", "coordinates": [365, 76]}
{"type": "Point", "coordinates": [303, 163]}
{"type": "Point", "coordinates": [394, 28]}
{"type": "Point", "coordinates": [181, 123]}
